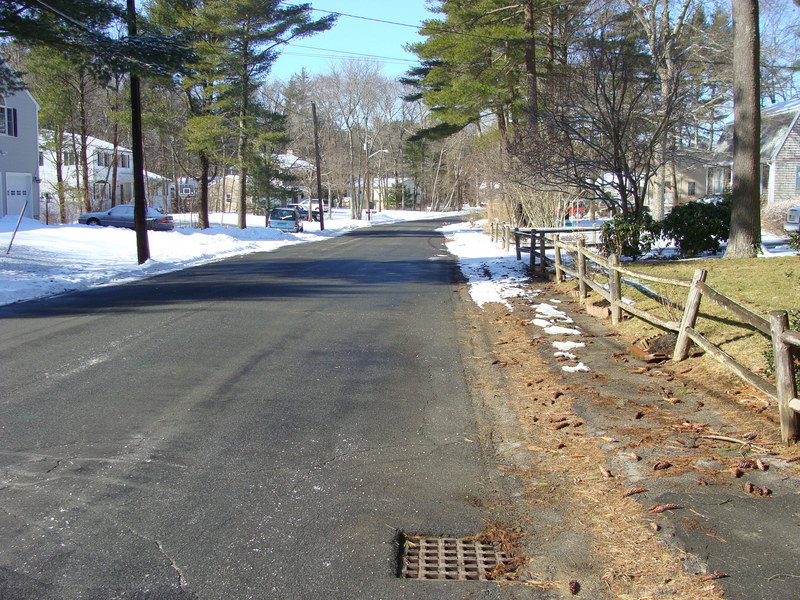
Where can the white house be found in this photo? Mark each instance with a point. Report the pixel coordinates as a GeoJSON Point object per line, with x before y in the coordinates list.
{"type": "Point", "coordinates": [102, 177]}
{"type": "Point", "coordinates": [19, 154]}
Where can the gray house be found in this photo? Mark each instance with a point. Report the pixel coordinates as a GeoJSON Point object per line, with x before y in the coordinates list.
{"type": "Point", "coordinates": [19, 154]}
{"type": "Point", "coordinates": [780, 155]}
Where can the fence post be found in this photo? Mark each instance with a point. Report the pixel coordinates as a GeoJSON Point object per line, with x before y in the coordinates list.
{"type": "Point", "coordinates": [532, 256]}
{"type": "Point", "coordinates": [516, 243]}
{"type": "Point", "coordinates": [506, 236]}
{"type": "Point", "coordinates": [542, 256]}
{"type": "Point", "coordinates": [784, 377]}
{"type": "Point", "coordinates": [615, 288]}
{"type": "Point", "coordinates": [581, 268]}
{"type": "Point", "coordinates": [689, 315]}
{"type": "Point", "coordinates": [557, 257]}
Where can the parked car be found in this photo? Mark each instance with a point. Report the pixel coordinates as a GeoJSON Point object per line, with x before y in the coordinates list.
{"type": "Point", "coordinates": [301, 208]}
{"type": "Point", "coordinates": [792, 224]}
{"type": "Point", "coordinates": [122, 216]}
{"type": "Point", "coordinates": [285, 219]}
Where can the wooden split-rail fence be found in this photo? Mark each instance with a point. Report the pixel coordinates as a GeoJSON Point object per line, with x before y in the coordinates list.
{"type": "Point", "coordinates": [785, 342]}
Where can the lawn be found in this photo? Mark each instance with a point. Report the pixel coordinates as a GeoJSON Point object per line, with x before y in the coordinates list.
{"type": "Point", "coordinates": [760, 285]}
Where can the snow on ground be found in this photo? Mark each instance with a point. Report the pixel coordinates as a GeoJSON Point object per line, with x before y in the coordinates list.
{"type": "Point", "coordinates": [45, 260]}
{"type": "Point", "coordinates": [495, 275]}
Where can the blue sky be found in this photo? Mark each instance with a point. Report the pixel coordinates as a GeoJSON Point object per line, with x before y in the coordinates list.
{"type": "Point", "coordinates": [351, 37]}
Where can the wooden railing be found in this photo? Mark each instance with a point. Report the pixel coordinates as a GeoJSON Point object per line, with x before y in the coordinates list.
{"type": "Point", "coordinates": [586, 262]}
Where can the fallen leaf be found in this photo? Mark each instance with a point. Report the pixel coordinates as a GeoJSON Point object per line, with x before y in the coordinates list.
{"type": "Point", "coordinates": [712, 576]}
{"type": "Point", "coordinates": [660, 508]}
{"type": "Point", "coordinates": [574, 587]}
{"type": "Point", "coordinates": [633, 491]}
{"type": "Point", "coordinates": [661, 465]}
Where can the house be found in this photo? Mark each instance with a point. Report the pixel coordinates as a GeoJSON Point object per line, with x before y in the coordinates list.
{"type": "Point", "coordinates": [780, 155]}
{"type": "Point", "coordinates": [110, 180]}
{"type": "Point", "coordinates": [223, 192]}
{"type": "Point", "coordinates": [19, 154]}
{"type": "Point", "coordinates": [686, 179]}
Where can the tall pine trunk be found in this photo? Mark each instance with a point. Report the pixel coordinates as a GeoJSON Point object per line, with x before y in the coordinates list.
{"type": "Point", "coordinates": [745, 235]}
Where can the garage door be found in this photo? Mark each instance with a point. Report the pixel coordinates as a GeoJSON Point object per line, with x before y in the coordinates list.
{"type": "Point", "coordinates": [18, 190]}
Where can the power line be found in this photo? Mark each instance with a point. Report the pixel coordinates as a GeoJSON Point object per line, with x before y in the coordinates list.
{"type": "Point", "coordinates": [418, 27]}
{"type": "Point", "coordinates": [356, 54]}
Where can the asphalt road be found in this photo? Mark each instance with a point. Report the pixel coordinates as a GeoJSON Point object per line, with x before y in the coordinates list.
{"type": "Point", "coordinates": [261, 427]}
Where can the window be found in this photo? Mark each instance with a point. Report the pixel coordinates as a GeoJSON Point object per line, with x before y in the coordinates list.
{"type": "Point", "coordinates": [41, 159]}
{"type": "Point", "coordinates": [691, 188]}
{"type": "Point", "coordinates": [8, 121]}
{"type": "Point", "coordinates": [70, 159]}
{"type": "Point", "coordinates": [124, 161]}
{"type": "Point", "coordinates": [797, 179]}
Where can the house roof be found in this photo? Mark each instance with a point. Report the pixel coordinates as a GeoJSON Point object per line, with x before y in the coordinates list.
{"type": "Point", "coordinates": [777, 122]}
{"type": "Point", "coordinates": [46, 136]}
{"type": "Point", "coordinates": [290, 161]}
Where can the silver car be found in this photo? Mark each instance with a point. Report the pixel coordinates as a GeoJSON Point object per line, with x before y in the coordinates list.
{"type": "Point", "coordinates": [122, 216]}
{"type": "Point", "coordinates": [792, 224]}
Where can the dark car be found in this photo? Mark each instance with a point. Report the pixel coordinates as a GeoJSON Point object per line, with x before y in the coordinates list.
{"type": "Point", "coordinates": [122, 216]}
{"type": "Point", "coordinates": [301, 208]}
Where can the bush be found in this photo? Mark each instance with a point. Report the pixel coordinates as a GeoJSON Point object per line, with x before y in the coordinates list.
{"type": "Point", "coordinates": [628, 234]}
{"type": "Point", "coordinates": [697, 227]}
{"type": "Point", "coordinates": [794, 241]}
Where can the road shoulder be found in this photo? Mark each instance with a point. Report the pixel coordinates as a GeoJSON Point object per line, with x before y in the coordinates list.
{"type": "Point", "coordinates": [614, 471]}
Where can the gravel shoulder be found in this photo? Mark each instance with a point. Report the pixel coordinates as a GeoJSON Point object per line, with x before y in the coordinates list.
{"type": "Point", "coordinates": [617, 469]}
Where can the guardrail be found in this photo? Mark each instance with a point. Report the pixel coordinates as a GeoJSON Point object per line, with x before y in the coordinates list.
{"type": "Point", "coordinates": [776, 328]}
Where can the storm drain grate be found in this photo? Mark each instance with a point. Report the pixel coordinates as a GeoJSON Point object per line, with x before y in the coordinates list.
{"type": "Point", "coordinates": [449, 558]}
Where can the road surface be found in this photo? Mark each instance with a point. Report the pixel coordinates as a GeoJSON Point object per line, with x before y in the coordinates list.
{"type": "Point", "coordinates": [260, 427]}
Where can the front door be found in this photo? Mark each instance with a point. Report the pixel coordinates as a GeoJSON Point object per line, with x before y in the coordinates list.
{"type": "Point", "coordinates": [18, 190]}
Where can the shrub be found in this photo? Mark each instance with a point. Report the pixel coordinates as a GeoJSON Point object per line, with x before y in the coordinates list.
{"type": "Point", "coordinates": [794, 241]}
{"type": "Point", "coordinates": [628, 234]}
{"type": "Point", "coordinates": [698, 227]}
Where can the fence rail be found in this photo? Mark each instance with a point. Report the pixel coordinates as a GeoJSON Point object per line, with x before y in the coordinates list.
{"type": "Point", "coordinates": [586, 262]}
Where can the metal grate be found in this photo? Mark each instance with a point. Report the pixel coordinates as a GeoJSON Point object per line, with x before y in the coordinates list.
{"type": "Point", "coordinates": [448, 558]}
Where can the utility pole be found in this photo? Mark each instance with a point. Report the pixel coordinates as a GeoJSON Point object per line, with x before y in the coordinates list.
{"type": "Point", "coordinates": [139, 205]}
{"type": "Point", "coordinates": [319, 167]}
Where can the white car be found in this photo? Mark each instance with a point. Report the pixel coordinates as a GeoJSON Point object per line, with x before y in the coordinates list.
{"type": "Point", "coordinates": [792, 224]}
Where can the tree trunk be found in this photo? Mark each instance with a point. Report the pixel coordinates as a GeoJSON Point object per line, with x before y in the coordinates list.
{"type": "Point", "coordinates": [202, 209]}
{"type": "Point", "coordinates": [745, 236]}
{"type": "Point", "coordinates": [531, 74]}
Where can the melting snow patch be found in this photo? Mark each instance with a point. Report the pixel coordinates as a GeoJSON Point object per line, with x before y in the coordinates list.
{"type": "Point", "coordinates": [566, 346]}
{"type": "Point", "coordinates": [579, 367]}
{"type": "Point", "coordinates": [546, 310]}
{"type": "Point", "coordinates": [568, 355]}
{"type": "Point", "coordinates": [541, 323]}
{"type": "Point", "coordinates": [558, 330]}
